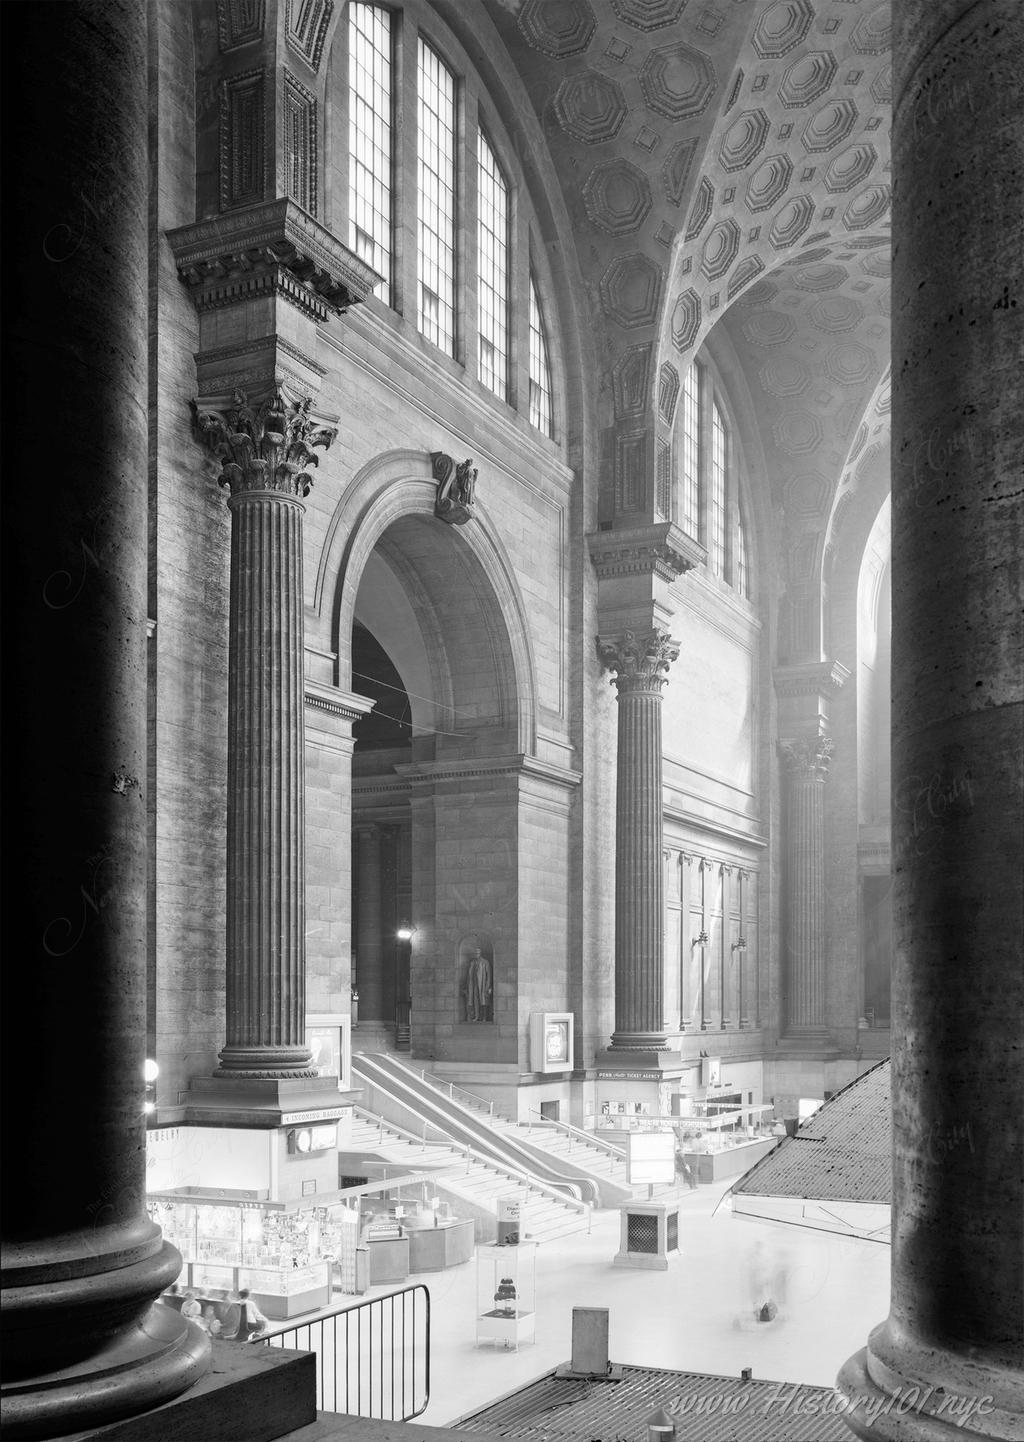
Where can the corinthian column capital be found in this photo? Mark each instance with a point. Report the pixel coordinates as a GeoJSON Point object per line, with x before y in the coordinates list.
{"type": "Point", "coordinates": [808, 757]}
{"type": "Point", "coordinates": [265, 446]}
{"type": "Point", "coordinates": [639, 658]}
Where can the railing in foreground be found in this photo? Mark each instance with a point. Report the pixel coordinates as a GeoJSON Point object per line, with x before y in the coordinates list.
{"type": "Point", "coordinates": [372, 1359]}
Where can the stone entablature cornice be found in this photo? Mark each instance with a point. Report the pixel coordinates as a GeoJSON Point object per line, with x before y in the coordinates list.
{"type": "Point", "coordinates": [271, 248]}
{"type": "Point", "coordinates": [639, 658]}
{"type": "Point", "coordinates": [429, 772]}
{"type": "Point", "coordinates": [812, 678]}
{"type": "Point", "coordinates": [334, 702]}
{"type": "Point", "coordinates": [662, 550]}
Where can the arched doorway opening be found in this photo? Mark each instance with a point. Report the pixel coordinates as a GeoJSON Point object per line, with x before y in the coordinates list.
{"type": "Point", "coordinates": [430, 630]}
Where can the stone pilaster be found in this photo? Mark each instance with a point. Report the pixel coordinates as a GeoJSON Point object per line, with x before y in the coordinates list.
{"type": "Point", "coordinates": [83, 1263]}
{"type": "Point", "coordinates": [640, 662]}
{"type": "Point", "coordinates": [369, 942]}
{"type": "Point", "coordinates": [265, 451]}
{"type": "Point", "coordinates": [954, 1337]}
{"type": "Point", "coordinates": [806, 763]}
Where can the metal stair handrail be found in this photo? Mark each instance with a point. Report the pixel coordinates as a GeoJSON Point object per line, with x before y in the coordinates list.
{"type": "Point", "coordinates": [570, 1190]}
{"type": "Point", "coordinates": [451, 1089]}
{"type": "Point", "coordinates": [578, 1134]}
{"type": "Point", "coordinates": [403, 1132]}
{"type": "Point", "coordinates": [523, 1179]}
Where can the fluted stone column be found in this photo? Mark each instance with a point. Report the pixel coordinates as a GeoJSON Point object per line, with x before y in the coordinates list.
{"type": "Point", "coordinates": [82, 1261]}
{"type": "Point", "coordinates": [265, 450]}
{"type": "Point", "coordinates": [806, 767]}
{"type": "Point", "coordinates": [369, 951]}
{"type": "Point", "coordinates": [954, 1338]}
{"type": "Point", "coordinates": [639, 660]}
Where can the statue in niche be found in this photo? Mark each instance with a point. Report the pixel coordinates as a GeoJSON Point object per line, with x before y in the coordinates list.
{"type": "Point", "coordinates": [477, 983]}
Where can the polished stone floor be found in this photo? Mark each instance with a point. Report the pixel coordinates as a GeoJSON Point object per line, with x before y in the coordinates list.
{"type": "Point", "coordinates": [699, 1315]}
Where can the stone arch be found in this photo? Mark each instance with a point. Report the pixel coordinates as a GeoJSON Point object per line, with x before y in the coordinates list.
{"type": "Point", "coordinates": [388, 509]}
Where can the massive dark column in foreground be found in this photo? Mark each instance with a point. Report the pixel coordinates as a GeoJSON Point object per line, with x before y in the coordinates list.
{"type": "Point", "coordinates": [82, 1262]}
{"type": "Point", "coordinates": [640, 663]}
{"type": "Point", "coordinates": [952, 1348]}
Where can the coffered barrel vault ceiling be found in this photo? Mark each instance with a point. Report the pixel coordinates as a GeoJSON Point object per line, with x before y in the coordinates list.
{"type": "Point", "coordinates": [727, 162]}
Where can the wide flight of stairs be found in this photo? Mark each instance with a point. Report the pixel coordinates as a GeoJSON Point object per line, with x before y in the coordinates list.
{"type": "Point", "coordinates": [566, 1159]}
{"type": "Point", "coordinates": [473, 1183]}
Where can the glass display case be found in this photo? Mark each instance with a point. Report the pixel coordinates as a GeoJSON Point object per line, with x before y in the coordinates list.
{"type": "Point", "coordinates": [506, 1293]}
{"type": "Point", "coordinates": [283, 1252]}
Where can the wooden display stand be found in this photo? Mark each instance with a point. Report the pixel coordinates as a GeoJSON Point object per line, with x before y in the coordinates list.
{"type": "Point", "coordinates": [506, 1297]}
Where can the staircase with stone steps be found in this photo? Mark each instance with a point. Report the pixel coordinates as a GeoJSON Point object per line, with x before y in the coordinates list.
{"type": "Point", "coordinates": [404, 1098]}
{"type": "Point", "coordinates": [474, 1183]}
{"type": "Point", "coordinates": [560, 1155]}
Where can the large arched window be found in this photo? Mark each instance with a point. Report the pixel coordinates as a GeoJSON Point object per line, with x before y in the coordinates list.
{"type": "Point", "coordinates": [709, 503]}
{"type": "Point", "coordinates": [428, 166]}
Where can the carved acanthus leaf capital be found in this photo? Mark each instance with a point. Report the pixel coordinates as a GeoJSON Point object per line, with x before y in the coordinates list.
{"type": "Point", "coordinates": [263, 447]}
{"type": "Point", "coordinates": [808, 757]}
{"type": "Point", "coordinates": [639, 657]}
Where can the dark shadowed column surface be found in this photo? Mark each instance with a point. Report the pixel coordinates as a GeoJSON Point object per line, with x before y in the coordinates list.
{"type": "Point", "coordinates": [955, 1330]}
{"type": "Point", "coordinates": [82, 1262]}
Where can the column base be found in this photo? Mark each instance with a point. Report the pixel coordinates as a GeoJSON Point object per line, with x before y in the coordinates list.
{"type": "Point", "coordinates": [266, 1062]}
{"type": "Point", "coordinates": [642, 1059]}
{"type": "Point", "coordinates": [240, 1101]}
{"type": "Point", "coordinates": [153, 1362]}
{"type": "Point", "coordinates": [817, 1042]}
{"type": "Point", "coordinates": [638, 1041]}
{"type": "Point", "coordinates": [899, 1391]}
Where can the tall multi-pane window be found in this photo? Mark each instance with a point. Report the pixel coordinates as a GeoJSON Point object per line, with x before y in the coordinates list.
{"type": "Point", "coordinates": [492, 269]}
{"type": "Point", "coordinates": [690, 452]}
{"type": "Point", "coordinates": [369, 134]}
{"type": "Point", "coordinates": [717, 497]}
{"type": "Point", "coordinates": [540, 368]}
{"type": "Point", "coordinates": [436, 175]}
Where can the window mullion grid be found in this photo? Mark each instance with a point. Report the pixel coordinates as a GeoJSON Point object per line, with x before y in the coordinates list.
{"type": "Point", "coordinates": [705, 401]}
{"type": "Point", "coordinates": [493, 230]}
{"type": "Point", "coordinates": [370, 163]}
{"type": "Point", "coordinates": [437, 199]}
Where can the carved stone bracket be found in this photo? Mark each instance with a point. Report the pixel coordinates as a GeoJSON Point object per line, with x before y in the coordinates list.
{"type": "Point", "coordinates": [263, 447]}
{"type": "Point", "coordinates": [807, 758]}
{"type": "Point", "coordinates": [456, 485]}
{"type": "Point", "coordinates": [270, 248]}
{"type": "Point", "coordinates": [639, 658]}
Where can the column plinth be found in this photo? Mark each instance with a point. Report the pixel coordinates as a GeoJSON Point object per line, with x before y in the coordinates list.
{"type": "Point", "coordinates": [639, 660]}
{"type": "Point", "coordinates": [953, 1343]}
{"type": "Point", "coordinates": [265, 450]}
